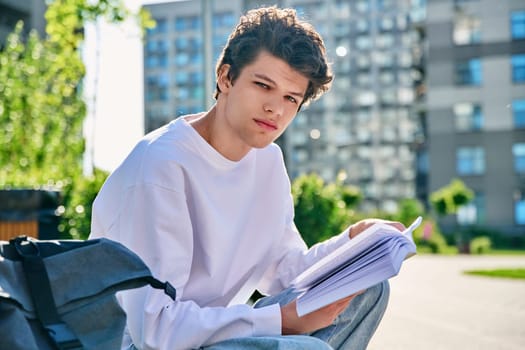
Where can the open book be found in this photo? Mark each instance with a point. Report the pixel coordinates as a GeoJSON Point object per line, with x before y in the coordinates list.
{"type": "Point", "coordinates": [371, 257]}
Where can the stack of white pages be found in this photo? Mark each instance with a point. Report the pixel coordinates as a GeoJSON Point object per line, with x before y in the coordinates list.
{"type": "Point", "coordinates": [371, 257]}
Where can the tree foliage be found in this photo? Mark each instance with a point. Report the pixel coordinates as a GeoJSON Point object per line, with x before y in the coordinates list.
{"type": "Point", "coordinates": [322, 210]}
{"type": "Point", "coordinates": [449, 198]}
{"type": "Point", "coordinates": [41, 113]}
{"type": "Point", "coordinates": [42, 109]}
{"type": "Point", "coordinates": [408, 210]}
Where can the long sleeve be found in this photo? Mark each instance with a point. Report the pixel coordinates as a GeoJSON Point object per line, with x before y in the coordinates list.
{"type": "Point", "coordinates": [293, 257]}
{"type": "Point", "coordinates": [155, 223]}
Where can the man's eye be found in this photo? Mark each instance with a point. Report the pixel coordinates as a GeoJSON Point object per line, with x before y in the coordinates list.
{"type": "Point", "coordinates": [292, 99]}
{"type": "Point", "coordinates": [263, 85]}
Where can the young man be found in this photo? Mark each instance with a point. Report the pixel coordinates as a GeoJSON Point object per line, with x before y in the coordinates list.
{"type": "Point", "coordinates": [206, 202]}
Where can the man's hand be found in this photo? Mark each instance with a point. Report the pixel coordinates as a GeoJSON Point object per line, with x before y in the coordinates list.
{"type": "Point", "coordinates": [293, 324]}
{"type": "Point", "coordinates": [362, 225]}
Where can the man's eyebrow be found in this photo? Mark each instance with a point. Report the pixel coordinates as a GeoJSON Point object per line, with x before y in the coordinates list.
{"type": "Point", "coordinates": [271, 81]}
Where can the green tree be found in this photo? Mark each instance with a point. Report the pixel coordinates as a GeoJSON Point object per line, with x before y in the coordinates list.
{"type": "Point", "coordinates": [42, 110]}
{"type": "Point", "coordinates": [41, 114]}
{"type": "Point", "coordinates": [449, 198]}
{"type": "Point", "coordinates": [322, 210]}
{"type": "Point", "coordinates": [409, 209]}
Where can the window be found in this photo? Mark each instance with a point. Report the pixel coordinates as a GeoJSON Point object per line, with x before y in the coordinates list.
{"type": "Point", "coordinates": [384, 58]}
{"type": "Point", "coordinates": [405, 96]}
{"type": "Point", "coordinates": [183, 93]}
{"type": "Point", "coordinates": [519, 206]}
{"type": "Point", "coordinates": [385, 4]}
{"type": "Point", "coordinates": [363, 62]}
{"type": "Point", "coordinates": [519, 211]}
{"type": "Point", "coordinates": [467, 30]}
{"type": "Point", "coordinates": [388, 96]}
{"type": "Point", "coordinates": [473, 212]}
{"type": "Point", "coordinates": [197, 92]}
{"type": "Point", "coordinates": [469, 72]}
{"type": "Point", "coordinates": [405, 59]}
{"type": "Point", "coordinates": [225, 20]}
{"type": "Point", "coordinates": [470, 161]}
{"type": "Point", "coordinates": [460, 2]}
{"type": "Point", "coordinates": [518, 68]}
{"type": "Point", "coordinates": [385, 24]}
{"type": "Point", "coordinates": [518, 151]}
{"type": "Point", "coordinates": [518, 111]}
{"type": "Point", "coordinates": [151, 61]}
{"type": "Point", "coordinates": [342, 28]}
{"type": "Point", "coordinates": [196, 78]}
{"type": "Point", "coordinates": [386, 40]}
{"type": "Point", "coordinates": [181, 44]}
{"type": "Point", "coordinates": [156, 54]}
{"type": "Point", "coordinates": [468, 117]}
{"type": "Point", "coordinates": [182, 59]}
{"type": "Point", "coordinates": [363, 42]}
{"type": "Point", "coordinates": [364, 79]}
{"type": "Point", "coordinates": [405, 78]}
{"type": "Point", "coordinates": [157, 87]}
{"type": "Point", "coordinates": [161, 26]}
{"type": "Point", "coordinates": [422, 162]}
{"type": "Point", "coordinates": [342, 8]}
{"type": "Point", "coordinates": [387, 77]}
{"type": "Point", "coordinates": [181, 78]}
{"type": "Point", "coordinates": [362, 25]}
{"type": "Point", "coordinates": [196, 58]}
{"type": "Point", "coordinates": [362, 6]}
{"type": "Point", "coordinates": [186, 23]}
{"type": "Point", "coordinates": [517, 24]}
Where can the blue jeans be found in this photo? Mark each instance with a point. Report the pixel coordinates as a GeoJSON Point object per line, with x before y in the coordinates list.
{"type": "Point", "coordinates": [351, 330]}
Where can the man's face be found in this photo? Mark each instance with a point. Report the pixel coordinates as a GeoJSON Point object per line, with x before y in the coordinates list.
{"type": "Point", "coordinates": [262, 101]}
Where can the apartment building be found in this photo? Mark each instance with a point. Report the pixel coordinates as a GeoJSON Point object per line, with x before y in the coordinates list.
{"type": "Point", "coordinates": [476, 107]}
{"type": "Point", "coordinates": [180, 55]}
{"type": "Point", "coordinates": [364, 132]}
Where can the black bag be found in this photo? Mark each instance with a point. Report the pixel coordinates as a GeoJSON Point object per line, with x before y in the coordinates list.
{"type": "Point", "coordinates": [61, 294]}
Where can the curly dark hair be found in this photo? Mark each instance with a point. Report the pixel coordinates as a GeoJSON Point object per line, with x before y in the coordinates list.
{"type": "Point", "coordinates": [281, 33]}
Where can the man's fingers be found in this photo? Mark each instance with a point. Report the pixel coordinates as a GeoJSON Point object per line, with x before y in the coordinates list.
{"type": "Point", "coordinates": [397, 225]}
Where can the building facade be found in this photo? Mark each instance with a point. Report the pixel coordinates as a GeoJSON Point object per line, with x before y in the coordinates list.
{"type": "Point", "coordinates": [180, 55]}
{"type": "Point", "coordinates": [363, 132]}
{"type": "Point", "coordinates": [476, 108]}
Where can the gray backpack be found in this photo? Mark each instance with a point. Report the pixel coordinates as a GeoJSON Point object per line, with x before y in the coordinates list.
{"type": "Point", "coordinates": [61, 294]}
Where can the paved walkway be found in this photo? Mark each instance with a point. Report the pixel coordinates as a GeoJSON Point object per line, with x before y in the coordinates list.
{"type": "Point", "coordinates": [433, 306]}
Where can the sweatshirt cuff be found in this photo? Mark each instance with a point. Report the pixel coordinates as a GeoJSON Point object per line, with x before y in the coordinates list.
{"type": "Point", "coordinates": [336, 241]}
{"type": "Point", "coordinates": [268, 320]}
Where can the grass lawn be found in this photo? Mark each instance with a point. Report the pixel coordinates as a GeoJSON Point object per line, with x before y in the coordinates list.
{"type": "Point", "coordinates": [518, 273]}
{"type": "Point", "coordinates": [507, 252]}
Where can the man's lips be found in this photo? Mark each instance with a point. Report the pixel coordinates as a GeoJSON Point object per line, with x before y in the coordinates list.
{"type": "Point", "coordinates": [266, 124]}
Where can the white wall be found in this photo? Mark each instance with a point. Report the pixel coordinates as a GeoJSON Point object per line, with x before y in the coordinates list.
{"type": "Point", "coordinates": [113, 89]}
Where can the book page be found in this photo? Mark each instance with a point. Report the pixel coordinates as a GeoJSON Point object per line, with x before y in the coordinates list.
{"type": "Point", "coordinates": [371, 257]}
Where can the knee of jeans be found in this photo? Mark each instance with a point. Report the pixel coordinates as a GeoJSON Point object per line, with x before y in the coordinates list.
{"type": "Point", "coordinates": [381, 291]}
{"type": "Point", "coordinates": [312, 343]}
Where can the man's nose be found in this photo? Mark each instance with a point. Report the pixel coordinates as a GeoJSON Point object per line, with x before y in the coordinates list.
{"type": "Point", "coordinates": [274, 106]}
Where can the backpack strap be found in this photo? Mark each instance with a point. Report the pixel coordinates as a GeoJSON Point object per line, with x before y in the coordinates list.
{"type": "Point", "coordinates": [40, 289]}
{"type": "Point", "coordinates": [168, 289]}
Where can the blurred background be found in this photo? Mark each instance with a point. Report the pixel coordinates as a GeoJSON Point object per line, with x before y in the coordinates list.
{"type": "Point", "coordinates": [426, 115]}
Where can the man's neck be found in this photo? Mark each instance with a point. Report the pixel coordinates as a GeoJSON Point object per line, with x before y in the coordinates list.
{"type": "Point", "coordinates": [212, 128]}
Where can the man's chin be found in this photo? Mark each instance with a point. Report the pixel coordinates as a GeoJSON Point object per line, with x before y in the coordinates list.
{"type": "Point", "coordinates": [260, 145]}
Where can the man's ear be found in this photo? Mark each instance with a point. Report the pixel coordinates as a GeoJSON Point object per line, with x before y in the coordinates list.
{"type": "Point", "coordinates": [223, 81]}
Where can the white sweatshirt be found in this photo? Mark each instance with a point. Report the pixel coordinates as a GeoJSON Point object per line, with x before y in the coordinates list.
{"type": "Point", "coordinates": [215, 228]}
